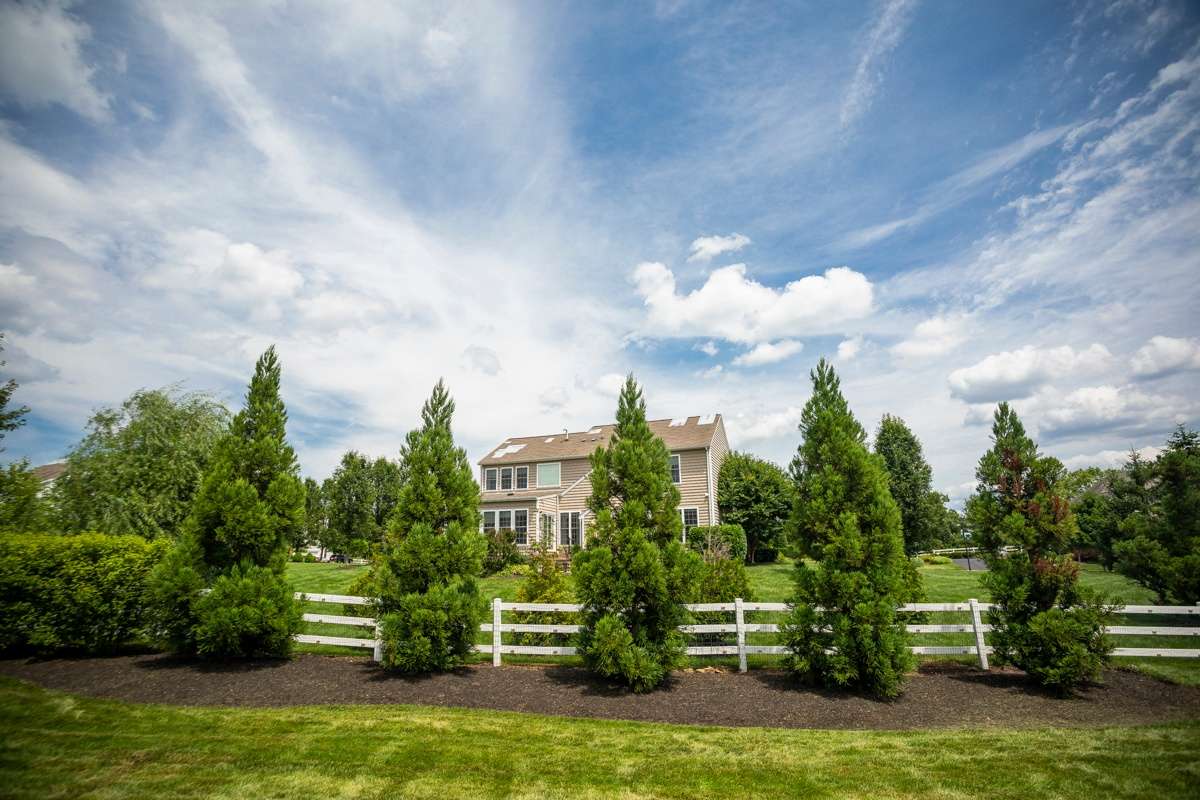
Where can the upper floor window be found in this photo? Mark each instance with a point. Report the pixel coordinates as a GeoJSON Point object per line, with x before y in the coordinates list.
{"type": "Point", "coordinates": [522, 477]}
{"type": "Point", "coordinates": [549, 474]}
{"type": "Point", "coordinates": [506, 479]}
{"type": "Point", "coordinates": [489, 479]}
{"type": "Point", "coordinates": [675, 475]}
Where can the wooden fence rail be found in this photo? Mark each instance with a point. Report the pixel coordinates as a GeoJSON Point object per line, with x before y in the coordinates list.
{"type": "Point", "coordinates": [740, 627]}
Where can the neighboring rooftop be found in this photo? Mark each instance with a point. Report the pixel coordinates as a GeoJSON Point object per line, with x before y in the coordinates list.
{"type": "Point", "coordinates": [681, 433]}
{"type": "Point", "coordinates": [48, 472]}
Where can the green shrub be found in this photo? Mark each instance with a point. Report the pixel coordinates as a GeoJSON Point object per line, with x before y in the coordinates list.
{"type": "Point", "coordinates": [432, 631]}
{"type": "Point", "coordinates": [766, 555]}
{"type": "Point", "coordinates": [718, 541]}
{"type": "Point", "coordinates": [249, 613]}
{"type": "Point", "coordinates": [80, 592]}
{"type": "Point", "coordinates": [172, 589]}
{"type": "Point", "coordinates": [929, 558]}
{"type": "Point", "coordinates": [501, 551]}
{"type": "Point", "coordinates": [546, 584]}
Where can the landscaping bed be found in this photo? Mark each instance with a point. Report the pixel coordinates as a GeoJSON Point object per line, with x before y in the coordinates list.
{"type": "Point", "coordinates": [939, 695]}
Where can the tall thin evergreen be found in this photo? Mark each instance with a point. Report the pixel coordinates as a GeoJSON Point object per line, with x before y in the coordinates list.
{"type": "Point", "coordinates": [844, 630]}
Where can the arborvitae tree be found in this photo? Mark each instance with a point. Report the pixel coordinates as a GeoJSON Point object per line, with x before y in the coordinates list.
{"type": "Point", "coordinates": [10, 418]}
{"type": "Point", "coordinates": [635, 574]}
{"type": "Point", "coordinates": [844, 630]}
{"type": "Point", "coordinates": [757, 495]}
{"type": "Point", "coordinates": [250, 506]}
{"type": "Point", "coordinates": [1161, 543]}
{"type": "Point", "coordinates": [424, 575]}
{"type": "Point", "coordinates": [140, 465]}
{"type": "Point", "coordinates": [910, 480]}
{"type": "Point", "coordinates": [316, 516]}
{"type": "Point", "coordinates": [1042, 620]}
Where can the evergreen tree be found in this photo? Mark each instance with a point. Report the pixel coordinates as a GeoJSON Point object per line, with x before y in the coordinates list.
{"type": "Point", "coordinates": [844, 630]}
{"type": "Point", "coordinates": [910, 481]}
{"type": "Point", "coordinates": [1160, 547]}
{"type": "Point", "coordinates": [635, 574]}
{"type": "Point", "coordinates": [1042, 620]}
{"type": "Point", "coordinates": [249, 508]}
{"type": "Point", "coordinates": [316, 516]}
{"type": "Point", "coordinates": [10, 418]}
{"type": "Point", "coordinates": [424, 575]}
{"type": "Point", "coordinates": [757, 495]}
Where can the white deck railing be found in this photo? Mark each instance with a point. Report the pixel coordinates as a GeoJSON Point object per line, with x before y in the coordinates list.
{"type": "Point", "coordinates": [739, 627]}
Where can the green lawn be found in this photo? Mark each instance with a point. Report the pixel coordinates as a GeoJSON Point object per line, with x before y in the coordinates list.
{"type": "Point", "coordinates": [61, 746]}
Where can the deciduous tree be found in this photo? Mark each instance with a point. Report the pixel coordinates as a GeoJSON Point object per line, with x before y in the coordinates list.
{"type": "Point", "coordinates": [757, 495]}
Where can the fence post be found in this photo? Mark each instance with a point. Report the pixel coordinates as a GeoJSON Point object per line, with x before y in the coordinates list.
{"type": "Point", "coordinates": [497, 603]}
{"type": "Point", "coordinates": [378, 655]}
{"type": "Point", "coordinates": [739, 621]}
{"type": "Point", "coordinates": [979, 641]}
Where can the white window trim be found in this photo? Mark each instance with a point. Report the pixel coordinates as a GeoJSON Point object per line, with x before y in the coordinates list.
{"type": "Point", "coordinates": [516, 483]}
{"type": "Point", "coordinates": [683, 519]}
{"type": "Point", "coordinates": [496, 472]}
{"type": "Point", "coordinates": [511, 479]}
{"type": "Point", "coordinates": [582, 528]}
{"type": "Point", "coordinates": [537, 477]}
{"type": "Point", "coordinates": [677, 459]}
{"type": "Point", "coordinates": [483, 521]}
{"type": "Point", "coordinates": [508, 511]}
{"type": "Point", "coordinates": [518, 533]}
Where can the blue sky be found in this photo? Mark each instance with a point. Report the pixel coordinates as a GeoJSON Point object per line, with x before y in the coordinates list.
{"type": "Point", "coordinates": [958, 203]}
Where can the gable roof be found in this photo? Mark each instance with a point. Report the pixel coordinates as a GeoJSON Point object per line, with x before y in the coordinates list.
{"type": "Point", "coordinates": [48, 472]}
{"type": "Point", "coordinates": [682, 433]}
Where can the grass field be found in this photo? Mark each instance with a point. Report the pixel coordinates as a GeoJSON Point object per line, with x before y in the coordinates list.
{"type": "Point", "coordinates": [62, 746]}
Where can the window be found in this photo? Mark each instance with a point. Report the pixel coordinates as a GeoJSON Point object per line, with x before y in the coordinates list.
{"type": "Point", "coordinates": [522, 477]}
{"type": "Point", "coordinates": [690, 518]}
{"type": "Point", "coordinates": [504, 520]}
{"type": "Point", "coordinates": [489, 521]}
{"type": "Point", "coordinates": [489, 480]}
{"type": "Point", "coordinates": [570, 529]}
{"type": "Point", "coordinates": [675, 468]}
{"type": "Point", "coordinates": [506, 479]}
{"type": "Point", "coordinates": [521, 526]}
{"type": "Point", "coordinates": [549, 474]}
{"type": "Point", "coordinates": [547, 528]}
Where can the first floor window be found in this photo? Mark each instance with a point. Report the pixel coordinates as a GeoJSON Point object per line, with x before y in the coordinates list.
{"type": "Point", "coordinates": [548, 528]}
{"type": "Point", "coordinates": [522, 477]}
{"type": "Point", "coordinates": [504, 520]}
{"type": "Point", "coordinates": [506, 479]}
{"type": "Point", "coordinates": [489, 480]}
{"type": "Point", "coordinates": [675, 466]}
{"type": "Point", "coordinates": [489, 521]}
{"type": "Point", "coordinates": [521, 526]}
{"type": "Point", "coordinates": [570, 529]}
{"type": "Point", "coordinates": [690, 518]}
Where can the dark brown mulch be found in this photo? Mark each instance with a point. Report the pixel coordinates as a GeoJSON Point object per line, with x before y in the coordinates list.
{"type": "Point", "coordinates": [939, 695]}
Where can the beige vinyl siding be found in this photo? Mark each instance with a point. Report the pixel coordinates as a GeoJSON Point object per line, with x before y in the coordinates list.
{"type": "Point", "coordinates": [578, 489]}
{"type": "Point", "coordinates": [717, 453]}
{"type": "Point", "coordinates": [693, 485]}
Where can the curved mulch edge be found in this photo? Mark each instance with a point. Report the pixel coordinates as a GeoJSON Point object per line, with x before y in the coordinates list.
{"type": "Point", "coordinates": [938, 695]}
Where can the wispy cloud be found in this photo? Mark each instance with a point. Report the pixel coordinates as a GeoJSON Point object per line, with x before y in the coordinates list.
{"type": "Point", "coordinates": [706, 248]}
{"type": "Point", "coordinates": [884, 36]}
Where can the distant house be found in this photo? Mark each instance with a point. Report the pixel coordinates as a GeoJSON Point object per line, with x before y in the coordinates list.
{"type": "Point", "coordinates": [48, 474]}
{"type": "Point", "coordinates": [537, 486]}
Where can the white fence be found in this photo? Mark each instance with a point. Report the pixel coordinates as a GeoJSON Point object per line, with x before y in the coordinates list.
{"type": "Point", "coordinates": [740, 628]}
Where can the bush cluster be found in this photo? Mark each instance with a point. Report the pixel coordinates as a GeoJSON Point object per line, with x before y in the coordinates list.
{"type": "Point", "coordinates": [82, 593]}
{"type": "Point", "coordinates": [547, 583]}
{"type": "Point", "coordinates": [502, 551]}
{"type": "Point", "coordinates": [715, 542]}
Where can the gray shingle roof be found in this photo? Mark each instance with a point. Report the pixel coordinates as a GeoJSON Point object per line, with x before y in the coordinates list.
{"type": "Point", "coordinates": [687, 434]}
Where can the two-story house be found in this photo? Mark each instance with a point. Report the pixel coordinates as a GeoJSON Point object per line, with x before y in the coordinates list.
{"type": "Point", "coordinates": [538, 486]}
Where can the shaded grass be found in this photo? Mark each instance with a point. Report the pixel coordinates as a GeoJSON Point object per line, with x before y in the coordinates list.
{"type": "Point", "coordinates": [57, 745]}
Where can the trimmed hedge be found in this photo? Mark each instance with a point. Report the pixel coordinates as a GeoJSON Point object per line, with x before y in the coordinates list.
{"type": "Point", "coordinates": [81, 593]}
{"type": "Point", "coordinates": [729, 537]}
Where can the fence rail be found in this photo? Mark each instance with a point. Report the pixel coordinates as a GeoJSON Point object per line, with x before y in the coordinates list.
{"type": "Point", "coordinates": [740, 627]}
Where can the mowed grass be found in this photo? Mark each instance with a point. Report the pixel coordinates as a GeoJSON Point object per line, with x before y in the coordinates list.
{"type": "Point", "coordinates": [61, 746]}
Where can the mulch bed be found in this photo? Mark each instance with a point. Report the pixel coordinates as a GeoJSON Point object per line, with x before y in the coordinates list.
{"type": "Point", "coordinates": [939, 695]}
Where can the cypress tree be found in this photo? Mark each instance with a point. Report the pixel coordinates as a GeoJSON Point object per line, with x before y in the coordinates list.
{"type": "Point", "coordinates": [844, 630]}
{"type": "Point", "coordinates": [910, 480]}
{"type": "Point", "coordinates": [249, 507]}
{"type": "Point", "coordinates": [1042, 620]}
{"type": "Point", "coordinates": [425, 573]}
{"type": "Point", "coordinates": [635, 574]}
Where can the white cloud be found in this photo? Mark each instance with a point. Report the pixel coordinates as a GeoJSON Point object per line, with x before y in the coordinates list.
{"type": "Point", "coordinates": [882, 39]}
{"type": "Point", "coordinates": [41, 59]}
{"type": "Point", "coordinates": [758, 427]}
{"type": "Point", "coordinates": [848, 349]}
{"type": "Point", "coordinates": [1109, 459]}
{"type": "Point", "coordinates": [482, 359]}
{"type": "Point", "coordinates": [709, 348]}
{"type": "Point", "coordinates": [935, 336]}
{"type": "Point", "coordinates": [734, 307]}
{"type": "Point", "coordinates": [1018, 373]}
{"type": "Point", "coordinates": [1164, 355]}
{"type": "Point", "coordinates": [707, 248]}
{"type": "Point", "coordinates": [711, 372]}
{"type": "Point", "coordinates": [1093, 409]}
{"type": "Point", "coordinates": [610, 384]}
{"type": "Point", "coordinates": [769, 353]}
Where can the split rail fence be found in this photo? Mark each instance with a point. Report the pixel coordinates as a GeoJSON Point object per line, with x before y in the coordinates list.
{"type": "Point", "coordinates": [740, 629]}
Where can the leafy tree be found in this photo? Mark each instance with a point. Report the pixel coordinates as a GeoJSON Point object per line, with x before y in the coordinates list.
{"type": "Point", "coordinates": [425, 573]}
{"type": "Point", "coordinates": [1161, 544]}
{"type": "Point", "coordinates": [910, 480]}
{"type": "Point", "coordinates": [635, 574]}
{"type": "Point", "coordinates": [249, 508]}
{"type": "Point", "coordinates": [844, 630]}
{"type": "Point", "coordinates": [316, 516]}
{"type": "Point", "coordinates": [757, 495]}
{"type": "Point", "coordinates": [139, 466]}
{"type": "Point", "coordinates": [547, 583]}
{"type": "Point", "coordinates": [349, 495]}
{"type": "Point", "coordinates": [385, 477]}
{"type": "Point", "coordinates": [10, 418]}
{"type": "Point", "coordinates": [1043, 621]}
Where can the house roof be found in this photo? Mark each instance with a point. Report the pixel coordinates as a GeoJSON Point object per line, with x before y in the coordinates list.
{"type": "Point", "coordinates": [48, 472]}
{"type": "Point", "coordinates": [682, 433]}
